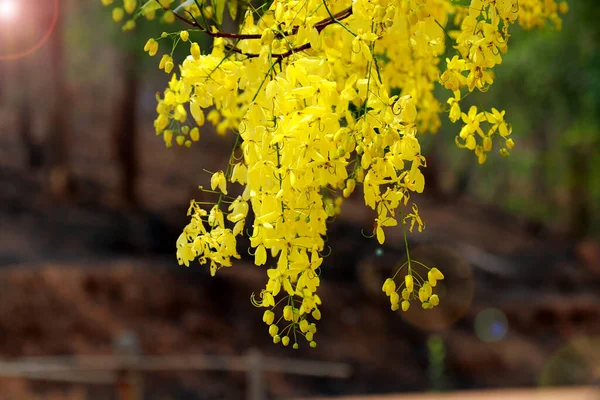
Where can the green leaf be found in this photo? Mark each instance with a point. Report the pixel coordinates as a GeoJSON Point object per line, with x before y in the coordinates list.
{"type": "Point", "coordinates": [218, 9]}
{"type": "Point", "coordinates": [232, 5]}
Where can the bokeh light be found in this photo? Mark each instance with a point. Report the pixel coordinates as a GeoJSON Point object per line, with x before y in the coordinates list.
{"type": "Point", "coordinates": [491, 325]}
{"type": "Point", "coordinates": [577, 363]}
{"type": "Point", "coordinates": [9, 10]}
{"type": "Point", "coordinates": [455, 291]}
{"type": "Point", "coordinates": [35, 30]}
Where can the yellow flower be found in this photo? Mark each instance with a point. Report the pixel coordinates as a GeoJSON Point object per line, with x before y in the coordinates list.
{"type": "Point", "coordinates": [218, 180]}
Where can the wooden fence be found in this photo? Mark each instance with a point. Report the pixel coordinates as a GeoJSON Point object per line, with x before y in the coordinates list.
{"type": "Point", "coordinates": [126, 367]}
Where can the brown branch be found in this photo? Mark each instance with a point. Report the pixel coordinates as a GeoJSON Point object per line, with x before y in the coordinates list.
{"type": "Point", "coordinates": [345, 13]}
{"type": "Point", "coordinates": [288, 53]}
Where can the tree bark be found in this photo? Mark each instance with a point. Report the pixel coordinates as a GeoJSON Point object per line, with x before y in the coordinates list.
{"type": "Point", "coordinates": [579, 179]}
{"type": "Point", "coordinates": [124, 132]}
{"type": "Point", "coordinates": [59, 178]}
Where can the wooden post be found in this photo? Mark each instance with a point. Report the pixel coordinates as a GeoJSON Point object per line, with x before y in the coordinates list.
{"type": "Point", "coordinates": [128, 379]}
{"type": "Point", "coordinates": [254, 373]}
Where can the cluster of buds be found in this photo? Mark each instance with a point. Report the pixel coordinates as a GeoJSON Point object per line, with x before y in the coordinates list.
{"type": "Point", "coordinates": [413, 287]}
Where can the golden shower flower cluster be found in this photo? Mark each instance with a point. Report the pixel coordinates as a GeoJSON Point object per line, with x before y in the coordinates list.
{"type": "Point", "coordinates": [323, 97]}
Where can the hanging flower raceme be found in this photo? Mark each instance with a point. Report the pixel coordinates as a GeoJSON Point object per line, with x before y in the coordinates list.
{"type": "Point", "coordinates": [324, 96]}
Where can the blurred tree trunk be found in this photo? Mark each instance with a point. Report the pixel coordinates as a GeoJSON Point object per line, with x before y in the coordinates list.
{"type": "Point", "coordinates": [31, 146]}
{"type": "Point", "coordinates": [432, 172]}
{"type": "Point", "coordinates": [124, 131]}
{"type": "Point", "coordinates": [579, 180]}
{"type": "Point", "coordinates": [542, 147]}
{"type": "Point", "coordinates": [60, 180]}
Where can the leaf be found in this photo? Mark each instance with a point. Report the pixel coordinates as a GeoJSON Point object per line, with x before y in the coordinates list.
{"type": "Point", "coordinates": [232, 5]}
{"type": "Point", "coordinates": [149, 6]}
{"type": "Point", "coordinates": [218, 9]}
{"type": "Point", "coordinates": [184, 4]}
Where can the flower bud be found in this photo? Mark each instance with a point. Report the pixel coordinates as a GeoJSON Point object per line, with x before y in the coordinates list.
{"type": "Point", "coordinates": [405, 305]}
{"type": "Point", "coordinates": [287, 313]}
{"type": "Point", "coordinates": [268, 317]}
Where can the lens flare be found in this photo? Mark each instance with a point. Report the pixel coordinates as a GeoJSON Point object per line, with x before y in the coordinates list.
{"type": "Point", "coordinates": [456, 291]}
{"type": "Point", "coordinates": [8, 10]}
{"type": "Point", "coordinates": [491, 325]}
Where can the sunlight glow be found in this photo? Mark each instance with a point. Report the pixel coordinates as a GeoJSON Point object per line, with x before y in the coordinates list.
{"type": "Point", "coordinates": [8, 10]}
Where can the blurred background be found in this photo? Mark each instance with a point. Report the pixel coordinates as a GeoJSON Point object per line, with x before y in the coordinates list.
{"type": "Point", "coordinates": [91, 203]}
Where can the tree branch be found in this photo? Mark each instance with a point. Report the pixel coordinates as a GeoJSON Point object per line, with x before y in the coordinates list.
{"type": "Point", "coordinates": [345, 13]}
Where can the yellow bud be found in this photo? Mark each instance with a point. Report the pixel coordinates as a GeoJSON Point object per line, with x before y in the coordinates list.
{"type": "Point", "coordinates": [350, 185]}
{"type": "Point", "coordinates": [427, 288]}
{"type": "Point", "coordinates": [295, 346]}
{"type": "Point", "coordinates": [163, 61]}
{"type": "Point", "coordinates": [195, 51]}
{"type": "Point", "coordinates": [309, 336]}
{"type": "Point", "coordinates": [168, 137]}
{"type": "Point", "coordinates": [107, 2]}
{"type": "Point", "coordinates": [268, 317]}
{"type": "Point", "coordinates": [276, 338]}
{"type": "Point", "coordinates": [455, 112]}
{"type": "Point", "coordinates": [287, 313]}
{"type": "Point", "coordinates": [394, 298]}
{"type": "Point", "coordinates": [431, 278]}
{"type": "Point", "coordinates": [563, 7]}
{"type": "Point", "coordinates": [180, 140]}
{"type": "Point", "coordinates": [273, 330]}
{"type": "Point", "coordinates": [130, 6]}
{"type": "Point", "coordinates": [195, 134]}
{"type": "Point", "coordinates": [470, 142]}
{"type": "Point", "coordinates": [405, 305]}
{"type": "Point", "coordinates": [389, 286]}
{"type": "Point", "coordinates": [423, 295]}
{"type": "Point", "coordinates": [184, 35]}
{"type": "Point", "coordinates": [408, 280]}
{"type": "Point", "coordinates": [117, 14]}
{"type": "Point", "coordinates": [405, 294]}
{"type": "Point", "coordinates": [129, 25]}
{"type": "Point", "coordinates": [437, 273]}
{"type": "Point", "coordinates": [304, 326]}
{"type": "Point", "coordinates": [285, 340]}
{"type": "Point", "coordinates": [188, 143]}
{"type": "Point", "coordinates": [313, 344]}
{"type": "Point", "coordinates": [395, 306]}
{"type": "Point", "coordinates": [164, 35]}
{"type": "Point", "coordinates": [510, 144]}
{"type": "Point", "coordinates": [487, 143]}
{"type": "Point", "coordinates": [316, 314]}
{"type": "Point", "coordinates": [169, 17]}
{"type": "Point", "coordinates": [169, 67]}
{"type": "Point", "coordinates": [434, 300]}
{"type": "Point", "coordinates": [148, 44]}
{"type": "Point", "coordinates": [481, 158]}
